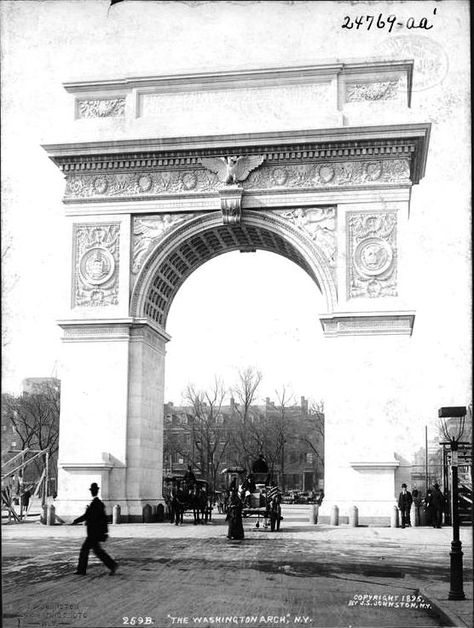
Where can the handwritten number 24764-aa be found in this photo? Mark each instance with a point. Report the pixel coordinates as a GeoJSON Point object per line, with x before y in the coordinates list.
{"type": "Point", "coordinates": [367, 21]}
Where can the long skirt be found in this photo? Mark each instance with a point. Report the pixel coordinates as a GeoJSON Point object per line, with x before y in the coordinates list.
{"type": "Point", "coordinates": [236, 527]}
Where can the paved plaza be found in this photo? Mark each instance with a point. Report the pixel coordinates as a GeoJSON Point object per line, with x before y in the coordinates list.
{"type": "Point", "coordinates": [319, 576]}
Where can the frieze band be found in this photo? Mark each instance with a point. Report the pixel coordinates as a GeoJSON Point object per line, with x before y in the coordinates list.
{"type": "Point", "coordinates": [267, 176]}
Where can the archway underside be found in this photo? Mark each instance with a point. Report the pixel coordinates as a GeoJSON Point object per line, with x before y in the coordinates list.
{"type": "Point", "coordinates": [200, 248]}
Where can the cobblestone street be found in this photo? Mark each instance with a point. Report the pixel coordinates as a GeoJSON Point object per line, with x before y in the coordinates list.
{"type": "Point", "coordinates": [187, 575]}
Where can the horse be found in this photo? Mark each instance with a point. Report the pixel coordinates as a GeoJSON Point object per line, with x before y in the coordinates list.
{"type": "Point", "coordinates": [200, 506]}
{"type": "Point", "coordinates": [178, 506]}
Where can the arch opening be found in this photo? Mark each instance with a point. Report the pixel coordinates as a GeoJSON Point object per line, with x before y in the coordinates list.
{"type": "Point", "coordinates": [204, 238]}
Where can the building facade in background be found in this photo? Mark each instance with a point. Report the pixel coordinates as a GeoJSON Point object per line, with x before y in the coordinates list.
{"type": "Point", "coordinates": [291, 438]}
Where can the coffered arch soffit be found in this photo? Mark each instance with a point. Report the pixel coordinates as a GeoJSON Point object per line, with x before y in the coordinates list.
{"type": "Point", "coordinates": [200, 239]}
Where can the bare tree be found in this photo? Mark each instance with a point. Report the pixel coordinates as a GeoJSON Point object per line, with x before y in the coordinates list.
{"type": "Point", "coordinates": [247, 435]}
{"type": "Point", "coordinates": [35, 419]}
{"type": "Point", "coordinates": [281, 430]}
{"type": "Point", "coordinates": [313, 433]}
{"type": "Point", "coordinates": [209, 435]}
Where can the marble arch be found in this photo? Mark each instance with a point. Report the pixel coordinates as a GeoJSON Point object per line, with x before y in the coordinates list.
{"type": "Point", "coordinates": [144, 210]}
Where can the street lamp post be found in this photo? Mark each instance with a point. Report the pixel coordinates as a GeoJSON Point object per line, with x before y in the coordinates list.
{"type": "Point", "coordinates": [453, 433]}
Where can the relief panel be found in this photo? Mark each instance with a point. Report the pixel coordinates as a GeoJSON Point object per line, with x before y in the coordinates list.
{"type": "Point", "coordinates": [96, 264]}
{"type": "Point", "coordinates": [319, 224]}
{"type": "Point", "coordinates": [371, 91]}
{"type": "Point", "coordinates": [100, 107]}
{"type": "Point", "coordinates": [147, 232]}
{"type": "Point", "coordinates": [372, 254]}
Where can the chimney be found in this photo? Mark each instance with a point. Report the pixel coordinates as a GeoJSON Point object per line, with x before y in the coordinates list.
{"type": "Point", "coordinates": [304, 405]}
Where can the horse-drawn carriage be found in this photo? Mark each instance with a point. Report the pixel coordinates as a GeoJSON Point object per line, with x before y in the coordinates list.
{"type": "Point", "coordinates": [260, 495]}
{"type": "Point", "coordinates": [183, 494]}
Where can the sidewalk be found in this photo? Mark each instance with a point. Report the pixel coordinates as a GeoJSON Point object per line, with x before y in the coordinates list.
{"type": "Point", "coordinates": [339, 561]}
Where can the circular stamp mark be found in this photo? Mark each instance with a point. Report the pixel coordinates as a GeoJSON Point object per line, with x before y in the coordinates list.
{"type": "Point", "coordinates": [431, 64]}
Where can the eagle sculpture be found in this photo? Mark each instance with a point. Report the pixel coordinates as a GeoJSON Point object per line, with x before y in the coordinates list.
{"type": "Point", "coordinates": [232, 169]}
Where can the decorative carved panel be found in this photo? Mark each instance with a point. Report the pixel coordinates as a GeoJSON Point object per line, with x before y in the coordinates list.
{"type": "Point", "coordinates": [147, 232]}
{"type": "Point", "coordinates": [101, 108]}
{"type": "Point", "coordinates": [372, 254]}
{"type": "Point", "coordinates": [382, 90]}
{"type": "Point", "coordinates": [319, 223]}
{"type": "Point", "coordinates": [96, 264]}
{"type": "Point", "coordinates": [268, 176]}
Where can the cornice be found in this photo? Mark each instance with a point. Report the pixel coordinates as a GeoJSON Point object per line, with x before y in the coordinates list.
{"type": "Point", "coordinates": [336, 143]}
{"type": "Point", "coordinates": [395, 323]}
{"type": "Point", "coordinates": [241, 78]}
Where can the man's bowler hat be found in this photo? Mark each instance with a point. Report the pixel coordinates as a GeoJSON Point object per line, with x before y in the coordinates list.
{"type": "Point", "coordinates": [94, 487]}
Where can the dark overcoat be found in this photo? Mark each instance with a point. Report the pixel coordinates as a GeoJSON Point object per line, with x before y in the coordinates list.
{"type": "Point", "coordinates": [96, 520]}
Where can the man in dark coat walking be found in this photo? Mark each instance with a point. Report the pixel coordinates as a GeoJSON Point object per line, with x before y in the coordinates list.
{"type": "Point", "coordinates": [404, 503]}
{"type": "Point", "coordinates": [97, 531]}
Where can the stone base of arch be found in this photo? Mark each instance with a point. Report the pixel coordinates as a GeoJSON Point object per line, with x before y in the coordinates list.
{"type": "Point", "coordinates": [112, 415]}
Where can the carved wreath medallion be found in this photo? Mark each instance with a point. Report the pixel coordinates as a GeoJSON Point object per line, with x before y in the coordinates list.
{"type": "Point", "coordinates": [372, 263]}
{"type": "Point", "coordinates": [96, 258]}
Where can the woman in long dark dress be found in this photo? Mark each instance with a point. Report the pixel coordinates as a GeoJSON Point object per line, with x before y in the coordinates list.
{"type": "Point", "coordinates": [234, 516]}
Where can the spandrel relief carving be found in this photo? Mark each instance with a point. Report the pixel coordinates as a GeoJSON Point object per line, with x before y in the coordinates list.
{"type": "Point", "coordinates": [147, 232]}
{"type": "Point", "coordinates": [96, 263]}
{"type": "Point", "coordinates": [319, 223]}
{"type": "Point", "coordinates": [372, 259]}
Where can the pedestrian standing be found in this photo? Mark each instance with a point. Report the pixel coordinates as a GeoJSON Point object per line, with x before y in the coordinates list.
{"type": "Point", "coordinates": [97, 532]}
{"type": "Point", "coordinates": [404, 503]}
{"type": "Point", "coordinates": [234, 516]}
{"type": "Point", "coordinates": [437, 506]}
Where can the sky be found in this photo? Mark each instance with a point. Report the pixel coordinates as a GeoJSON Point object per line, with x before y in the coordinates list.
{"type": "Point", "coordinates": [258, 309]}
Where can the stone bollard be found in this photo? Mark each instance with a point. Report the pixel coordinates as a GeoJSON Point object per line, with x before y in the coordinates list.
{"type": "Point", "coordinates": [414, 515]}
{"type": "Point", "coordinates": [394, 518]}
{"type": "Point", "coordinates": [50, 515]}
{"type": "Point", "coordinates": [44, 515]}
{"type": "Point", "coordinates": [160, 513]}
{"type": "Point", "coordinates": [116, 514]}
{"type": "Point", "coordinates": [334, 521]}
{"type": "Point", "coordinates": [354, 517]}
{"type": "Point", "coordinates": [313, 513]}
{"type": "Point", "coordinates": [147, 513]}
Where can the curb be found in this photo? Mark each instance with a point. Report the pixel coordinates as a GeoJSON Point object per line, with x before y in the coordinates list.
{"type": "Point", "coordinates": [446, 615]}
